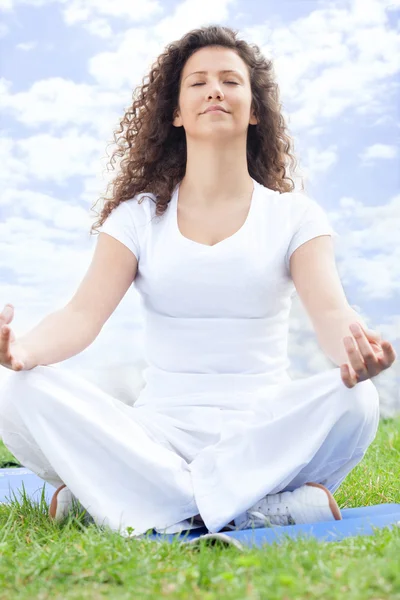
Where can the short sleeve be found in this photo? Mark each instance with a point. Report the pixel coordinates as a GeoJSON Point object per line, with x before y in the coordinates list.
{"type": "Point", "coordinates": [309, 220]}
{"type": "Point", "coordinates": [120, 224]}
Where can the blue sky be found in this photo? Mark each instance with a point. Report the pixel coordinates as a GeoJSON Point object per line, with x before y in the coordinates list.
{"type": "Point", "coordinates": [67, 73]}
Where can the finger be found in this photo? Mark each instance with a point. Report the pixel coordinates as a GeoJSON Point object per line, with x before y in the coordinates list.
{"type": "Point", "coordinates": [17, 365]}
{"type": "Point", "coordinates": [355, 358]}
{"type": "Point", "coordinates": [367, 355]}
{"type": "Point", "coordinates": [5, 334]}
{"type": "Point", "coordinates": [6, 314]}
{"type": "Point", "coordinates": [4, 343]}
{"type": "Point", "coordinates": [389, 355]}
{"type": "Point", "coordinates": [5, 331]}
{"type": "Point", "coordinates": [348, 379]}
{"type": "Point", "coordinates": [370, 333]}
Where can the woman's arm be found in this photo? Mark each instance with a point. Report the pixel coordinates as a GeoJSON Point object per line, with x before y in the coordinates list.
{"type": "Point", "coordinates": [58, 336]}
{"type": "Point", "coordinates": [68, 331]}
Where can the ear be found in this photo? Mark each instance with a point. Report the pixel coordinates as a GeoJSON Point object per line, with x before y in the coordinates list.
{"type": "Point", "coordinates": [253, 118]}
{"type": "Point", "coordinates": [177, 121]}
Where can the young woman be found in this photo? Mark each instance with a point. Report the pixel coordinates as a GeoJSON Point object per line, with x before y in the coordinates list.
{"type": "Point", "coordinates": [206, 224]}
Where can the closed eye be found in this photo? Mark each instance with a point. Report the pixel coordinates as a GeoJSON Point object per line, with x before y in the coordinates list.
{"type": "Point", "coordinates": [233, 82]}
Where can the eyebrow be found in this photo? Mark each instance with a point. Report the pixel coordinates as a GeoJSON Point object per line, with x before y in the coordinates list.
{"type": "Point", "coordinates": [223, 71]}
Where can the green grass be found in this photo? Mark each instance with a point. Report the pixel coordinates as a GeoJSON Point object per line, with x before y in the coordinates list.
{"type": "Point", "coordinates": [40, 559]}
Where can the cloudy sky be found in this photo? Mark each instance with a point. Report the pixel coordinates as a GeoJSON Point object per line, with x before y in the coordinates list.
{"type": "Point", "coordinates": [68, 70]}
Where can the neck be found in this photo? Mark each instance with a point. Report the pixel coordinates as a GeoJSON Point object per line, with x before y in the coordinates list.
{"type": "Point", "coordinates": [215, 174]}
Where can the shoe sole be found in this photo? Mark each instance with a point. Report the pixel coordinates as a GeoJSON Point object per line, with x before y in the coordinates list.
{"type": "Point", "coordinates": [215, 539]}
{"type": "Point", "coordinates": [54, 502]}
{"type": "Point", "coordinates": [333, 505]}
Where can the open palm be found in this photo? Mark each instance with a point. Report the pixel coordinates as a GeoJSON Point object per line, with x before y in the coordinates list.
{"type": "Point", "coordinates": [12, 355]}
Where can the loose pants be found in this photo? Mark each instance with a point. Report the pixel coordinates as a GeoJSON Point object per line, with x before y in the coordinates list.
{"type": "Point", "coordinates": [159, 463]}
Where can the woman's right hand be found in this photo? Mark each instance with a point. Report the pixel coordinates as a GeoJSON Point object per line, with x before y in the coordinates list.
{"type": "Point", "coordinates": [12, 355]}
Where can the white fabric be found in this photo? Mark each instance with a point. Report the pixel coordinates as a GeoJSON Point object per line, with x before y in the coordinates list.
{"type": "Point", "coordinates": [219, 423]}
{"type": "Point", "coordinates": [159, 465]}
{"type": "Point", "coordinates": [216, 317]}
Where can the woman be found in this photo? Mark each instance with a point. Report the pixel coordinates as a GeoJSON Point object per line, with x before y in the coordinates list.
{"type": "Point", "coordinates": [205, 222]}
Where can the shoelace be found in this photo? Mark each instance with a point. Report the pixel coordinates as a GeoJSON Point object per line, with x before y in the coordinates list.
{"type": "Point", "coordinates": [256, 518]}
{"type": "Point", "coordinates": [268, 510]}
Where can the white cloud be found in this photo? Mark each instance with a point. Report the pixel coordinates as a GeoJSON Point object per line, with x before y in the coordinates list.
{"type": "Point", "coordinates": [326, 64]}
{"type": "Point", "coordinates": [13, 171]}
{"type": "Point", "coordinates": [59, 103]}
{"type": "Point", "coordinates": [190, 14]}
{"type": "Point", "coordinates": [125, 66]}
{"type": "Point", "coordinates": [368, 250]}
{"type": "Point", "coordinates": [376, 151]}
{"type": "Point", "coordinates": [26, 46]}
{"type": "Point", "coordinates": [26, 205]}
{"type": "Point", "coordinates": [77, 11]}
{"type": "Point", "coordinates": [56, 159]}
{"type": "Point", "coordinates": [319, 161]}
{"type": "Point", "coordinates": [99, 27]}
{"type": "Point", "coordinates": [7, 5]}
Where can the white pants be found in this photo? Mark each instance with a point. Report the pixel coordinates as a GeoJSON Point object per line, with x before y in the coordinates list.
{"type": "Point", "coordinates": [159, 464]}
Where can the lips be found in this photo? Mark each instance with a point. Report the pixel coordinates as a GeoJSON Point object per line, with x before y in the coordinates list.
{"type": "Point", "coordinates": [215, 108]}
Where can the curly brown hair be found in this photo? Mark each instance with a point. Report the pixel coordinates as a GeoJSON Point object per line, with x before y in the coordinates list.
{"type": "Point", "coordinates": [153, 151]}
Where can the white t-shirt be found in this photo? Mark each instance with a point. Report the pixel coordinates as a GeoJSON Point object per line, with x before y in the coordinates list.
{"type": "Point", "coordinates": [216, 317]}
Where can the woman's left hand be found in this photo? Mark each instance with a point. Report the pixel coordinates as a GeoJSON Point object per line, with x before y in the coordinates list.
{"type": "Point", "coordinates": [368, 354]}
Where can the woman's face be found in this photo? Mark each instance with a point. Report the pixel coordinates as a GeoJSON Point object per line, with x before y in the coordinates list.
{"type": "Point", "coordinates": [231, 90]}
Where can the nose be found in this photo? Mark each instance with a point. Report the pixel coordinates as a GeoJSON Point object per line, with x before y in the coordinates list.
{"type": "Point", "coordinates": [217, 93]}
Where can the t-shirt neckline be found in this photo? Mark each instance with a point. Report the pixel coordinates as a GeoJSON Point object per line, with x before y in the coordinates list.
{"type": "Point", "coordinates": [232, 237]}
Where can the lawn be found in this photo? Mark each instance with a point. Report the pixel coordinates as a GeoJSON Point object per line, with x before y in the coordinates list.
{"type": "Point", "coordinates": [39, 559]}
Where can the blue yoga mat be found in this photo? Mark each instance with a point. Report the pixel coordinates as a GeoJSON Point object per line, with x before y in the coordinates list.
{"type": "Point", "coordinates": [356, 521]}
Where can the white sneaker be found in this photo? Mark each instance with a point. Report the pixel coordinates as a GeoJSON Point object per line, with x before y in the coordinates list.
{"type": "Point", "coordinates": [63, 502]}
{"type": "Point", "coordinates": [310, 503]}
